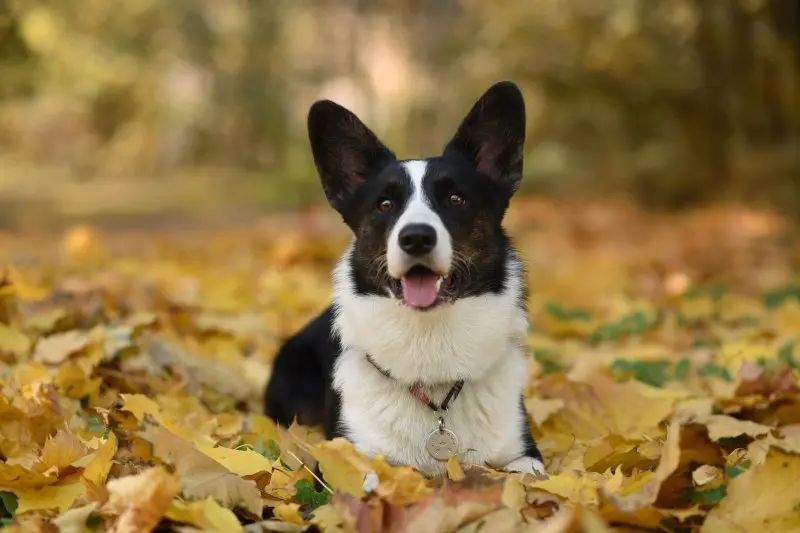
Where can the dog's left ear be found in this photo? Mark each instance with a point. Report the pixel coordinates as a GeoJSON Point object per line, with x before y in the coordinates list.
{"type": "Point", "coordinates": [492, 135]}
{"type": "Point", "coordinates": [346, 152]}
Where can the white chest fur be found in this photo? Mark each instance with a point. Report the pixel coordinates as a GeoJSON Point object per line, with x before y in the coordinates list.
{"type": "Point", "coordinates": [382, 418]}
{"type": "Point", "coordinates": [477, 339]}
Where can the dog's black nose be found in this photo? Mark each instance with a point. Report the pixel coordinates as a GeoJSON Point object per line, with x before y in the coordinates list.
{"type": "Point", "coordinates": [417, 239]}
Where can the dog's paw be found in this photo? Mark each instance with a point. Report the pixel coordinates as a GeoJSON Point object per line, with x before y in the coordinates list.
{"type": "Point", "coordinates": [526, 465]}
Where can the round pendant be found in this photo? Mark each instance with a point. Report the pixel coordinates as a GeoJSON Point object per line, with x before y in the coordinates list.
{"type": "Point", "coordinates": [441, 444]}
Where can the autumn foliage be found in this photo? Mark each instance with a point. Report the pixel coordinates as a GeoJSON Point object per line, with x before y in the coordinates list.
{"type": "Point", "coordinates": [663, 388]}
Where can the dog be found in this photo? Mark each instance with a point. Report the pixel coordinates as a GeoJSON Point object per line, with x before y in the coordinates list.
{"type": "Point", "coordinates": [422, 353]}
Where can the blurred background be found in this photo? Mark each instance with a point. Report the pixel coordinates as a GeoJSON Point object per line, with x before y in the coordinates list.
{"type": "Point", "coordinates": [118, 111]}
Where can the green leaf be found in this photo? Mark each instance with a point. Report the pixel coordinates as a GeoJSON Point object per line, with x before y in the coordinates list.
{"type": "Point", "coordinates": [713, 291]}
{"type": "Point", "coordinates": [709, 497]}
{"type": "Point", "coordinates": [682, 369]}
{"type": "Point", "coordinates": [651, 372]}
{"type": "Point", "coordinates": [308, 495]}
{"type": "Point", "coordinates": [273, 450]}
{"type": "Point", "coordinates": [712, 369]}
{"type": "Point", "coordinates": [9, 503]}
{"type": "Point", "coordinates": [562, 313]}
{"type": "Point", "coordinates": [778, 296]}
{"type": "Point", "coordinates": [786, 355]}
{"type": "Point", "coordinates": [634, 323]}
{"type": "Point", "coordinates": [736, 470]}
{"type": "Point", "coordinates": [549, 360]}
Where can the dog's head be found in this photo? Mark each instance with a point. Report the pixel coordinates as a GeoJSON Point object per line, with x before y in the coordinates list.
{"type": "Point", "coordinates": [428, 231]}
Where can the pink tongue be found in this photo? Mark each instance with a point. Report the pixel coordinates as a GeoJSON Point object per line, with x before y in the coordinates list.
{"type": "Point", "coordinates": [419, 290]}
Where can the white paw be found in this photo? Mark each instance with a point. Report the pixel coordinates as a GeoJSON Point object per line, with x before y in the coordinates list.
{"type": "Point", "coordinates": [526, 465]}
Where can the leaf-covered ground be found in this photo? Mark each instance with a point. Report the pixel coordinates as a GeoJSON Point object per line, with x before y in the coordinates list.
{"type": "Point", "coordinates": [663, 388]}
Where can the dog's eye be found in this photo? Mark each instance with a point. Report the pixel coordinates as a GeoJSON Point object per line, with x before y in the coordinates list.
{"type": "Point", "coordinates": [456, 200]}
{"type": "Point", "coordinates": [385, 205]}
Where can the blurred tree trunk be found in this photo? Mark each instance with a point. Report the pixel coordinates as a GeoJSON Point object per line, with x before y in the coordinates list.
{"type": "Point", "coordinates": [16, 76]}
{"type": "Point", "coordinates": [708, 129]}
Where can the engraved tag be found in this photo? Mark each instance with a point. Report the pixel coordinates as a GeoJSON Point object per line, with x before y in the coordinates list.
{"type": "Point", "coordinates": [441, 444]}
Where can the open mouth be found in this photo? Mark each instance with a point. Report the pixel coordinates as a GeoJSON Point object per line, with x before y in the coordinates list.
{"type": "Point", "coordinates": [421, 287]}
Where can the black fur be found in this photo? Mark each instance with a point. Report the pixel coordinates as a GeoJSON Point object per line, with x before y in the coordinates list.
{"type": "Point", "coordinates": [300, 386]}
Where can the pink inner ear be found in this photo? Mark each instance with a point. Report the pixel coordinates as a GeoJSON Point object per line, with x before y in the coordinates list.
{"type": "Point", "coordinates": [486, 158]}
{"type": "Point", "coordinates": [353, 167]}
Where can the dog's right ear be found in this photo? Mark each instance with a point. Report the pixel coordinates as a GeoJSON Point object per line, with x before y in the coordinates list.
{"type": "Point", "coordinates": [346, 152]}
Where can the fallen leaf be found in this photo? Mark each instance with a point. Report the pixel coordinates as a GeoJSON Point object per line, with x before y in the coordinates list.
{"type": "Point", "coordinates": [58, 347]}
{"type": "Point", "coordinates": [205, 514]}
{"type": "Point", "coordinates": [103, 459]}
{"type": "Point", "coordinates": [60, 451]}
{"type": "Point", "coordinates": [58, 497]}
{"type": "Point", "coordinates": [75, 520]}
{"type": "Point", "coordinates": [723, 427]}
{"type": "Point", "coordinates": [454, 470]}
{"type": "Point", "coordinates": [200, 476]}
{"type": "Point", "coordinates": [139, 502]}
{"type": "Point", "coordinates": [765, 498]}
{"type": "Point", "coordinates": [342, 465]}
{"type": "Point", "coordinates": [399, 485]}
{"type": "Point", "coordinates": [289, 512]}
{"type": "Point", "coordinates": [14, 341]}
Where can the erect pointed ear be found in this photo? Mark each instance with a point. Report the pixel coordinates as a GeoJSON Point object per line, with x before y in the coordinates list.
{"type": "Point", "coordinates": [346, 152]}
{"type": "Point", "coordinates": [492, 135]}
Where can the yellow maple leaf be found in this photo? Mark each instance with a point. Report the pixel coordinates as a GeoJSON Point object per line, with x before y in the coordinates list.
{"type": "Point", "coordinates": [98, 468]}
{"type": "Point", "coordinates": [514, 495]}
{"type": "Point", "coordinates": [141, 406]}
{"type": "Point", "coordinates": [18, 477]}
{"type": "Point", "coordinates": [786, 318]}
{"type": "Point", "coordinates": [240, 462]}
{"type": "Point", "coordinates": [399, 485]}
{"type": "Point", "coordinates": [60, 451]}
{"type": "Point", "coordinates": [603, 406]}
{"type": "Point", "coordinates": [60, 497]}
{"type": "Point", "coordinates": [200, 475]}
{"type": "Point", "coordinates": [575, 488]}
{"type": "Point", "coordinates": [454, 470]}
{"type": "Point", "coordinates": [14, 341]}
{"type": "Point", "coordinates": [343, 467]}
{"type": "Point", "coordinates": [764, 498]}
{"type": "Point", "coordinates": [140, 501]}
{"type": "Point", "coordinates": [289, 512]}
{"type": "Point", "coordinates": [205, 514]}
{"type": "Point", "coordinates": [733, 354]}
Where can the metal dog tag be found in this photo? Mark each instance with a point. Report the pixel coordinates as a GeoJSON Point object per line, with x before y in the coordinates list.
{"type": "Point", "coordinates": [442, 443]}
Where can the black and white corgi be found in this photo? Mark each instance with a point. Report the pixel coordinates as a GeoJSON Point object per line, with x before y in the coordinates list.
{"type": "Point", "coordinates": [422, 353]}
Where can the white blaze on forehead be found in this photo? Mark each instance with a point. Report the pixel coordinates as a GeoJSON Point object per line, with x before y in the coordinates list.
{"type": "Point", "coordinates": [418, 210]}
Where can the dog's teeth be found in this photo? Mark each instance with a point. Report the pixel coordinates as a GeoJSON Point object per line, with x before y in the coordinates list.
{"type": "Point", "coordinates": [439, 281]}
